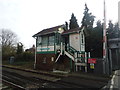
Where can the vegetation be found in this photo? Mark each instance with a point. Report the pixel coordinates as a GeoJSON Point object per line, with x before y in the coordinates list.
{"type": "Point", "coordinates": [73, 22]}
{"type": "Point", "coordinates": [25, 56]}
{"type": "Point", "coordinates": [19, 48]}
{"type": "Point", "coordinates": [12, 49]}
{"type": "Point", "coordinates": [88, 18]}
{"type": "Point", "coordinates": [94, 35]}
{"type": "Point", "coordinates": [113, 30]}
{"type": "Point", "coordinates": [21, 64]}
{"type": "Point", "coordinates": [9, 41]}
{"type": "Point", "coordinates": [96, 38]}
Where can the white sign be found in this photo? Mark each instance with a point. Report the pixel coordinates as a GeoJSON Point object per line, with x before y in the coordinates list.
{"type": "Point", "coordinates": [45, 48]}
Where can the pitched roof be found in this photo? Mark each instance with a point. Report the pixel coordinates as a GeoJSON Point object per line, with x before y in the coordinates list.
{"type": "Point", "coordinates": [72, 31]}
{"type": "Point", "coordinates": [53, 29]}
{"type": "Point", "coordinates": [47, 31]}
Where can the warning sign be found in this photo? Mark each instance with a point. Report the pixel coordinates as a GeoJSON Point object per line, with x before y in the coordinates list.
{"type": "Point", "coordinates": [92, 60]}
{"type": "Point", "coordinates": [92, 66]}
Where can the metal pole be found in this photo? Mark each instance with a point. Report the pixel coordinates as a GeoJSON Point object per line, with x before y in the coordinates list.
{"type": "Point", "coordinates": [76, 67]}
{"type": "Point", "coordinates": [104, 40]}
{"type": "Point", "coordinates": [117, 57]}
{"type": "Point", "coordinates": [35, 55]}
{"type": "Point", "coordinates": [105, 58]}
{"type": "Point", "coordinates": [85, 61]}
{"type": "Point", "coordinates": [110, 57]}
{"type": "Point", "coordinates": [89, 54]}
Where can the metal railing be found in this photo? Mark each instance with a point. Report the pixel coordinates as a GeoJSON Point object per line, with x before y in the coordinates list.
{"type": "Point", "coordinates": [79, 55]}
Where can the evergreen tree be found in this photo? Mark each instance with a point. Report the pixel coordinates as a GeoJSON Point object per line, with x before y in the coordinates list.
{"type": "Point", "coordinates": [113, 30]}
{"type": "Point", "coordinates": [110, 26]}
{"type": "Point", "coordinates": [99, 24]}
{"type": "Point", "coordinates": [96, 41]}
{"type": "Point", "coordinates": [110, 29]}
{"type": "Point", "coordinates": [116, 31]}
{"type": "Point", "coordinates": [88, 18]}
{"type": "Point", "coordinates": [87, 22]}
{"type": "Point", "coordinates": [19, 48]}
{"type": "Point", "coordinates": [66, 25]}
{"type": "Point", "coordinates": [73, 22]}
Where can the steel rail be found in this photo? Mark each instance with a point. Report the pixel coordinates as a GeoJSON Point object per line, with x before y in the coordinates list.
{"type": "Point", "coordinates": [13, 84]}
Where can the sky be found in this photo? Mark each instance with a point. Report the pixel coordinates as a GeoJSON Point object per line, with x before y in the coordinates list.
{"type": "Point", "coordinates": [27, 17]}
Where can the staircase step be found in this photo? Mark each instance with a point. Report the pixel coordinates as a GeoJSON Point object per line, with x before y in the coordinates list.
{"type": "Point", "coordinates": [81, 64]}
{"type": "Point", "coordinates": [69, 55]}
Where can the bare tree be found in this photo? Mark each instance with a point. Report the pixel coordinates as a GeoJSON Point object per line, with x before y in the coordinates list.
{"type": "Point", "coordinates": [9, 38]}
{"type": "Point", "coordinates": [9, 42]}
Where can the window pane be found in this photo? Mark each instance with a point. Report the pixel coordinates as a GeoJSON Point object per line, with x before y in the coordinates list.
{"type": "Point", "coordinates": [38, 41]}
{"type": "Point", "coordinates": [51, 40]}
{"type": "Point", "coordinates": [82, 38]}
{"type": "Point", "coordinates": [44, 41]}
{"type": "Point", "coordinates": [57, 38]}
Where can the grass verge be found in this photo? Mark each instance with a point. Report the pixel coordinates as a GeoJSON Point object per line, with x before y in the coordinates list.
{"type": "Point", "coordinates": [21, 64]}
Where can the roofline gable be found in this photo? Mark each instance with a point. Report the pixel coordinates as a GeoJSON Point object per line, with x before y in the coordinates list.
{"type": "Point", "coordinates": [47, 31]}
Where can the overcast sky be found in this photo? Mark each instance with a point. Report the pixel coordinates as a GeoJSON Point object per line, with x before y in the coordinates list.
{"type": "Point", "coordinates": [27, 17]}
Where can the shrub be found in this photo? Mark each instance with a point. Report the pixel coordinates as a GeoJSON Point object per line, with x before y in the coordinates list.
{"type": "Point", "coordinates": [25, 56]}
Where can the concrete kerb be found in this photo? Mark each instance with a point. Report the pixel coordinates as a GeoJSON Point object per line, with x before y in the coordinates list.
{"type": "Point", "coordinates": [110, 82]}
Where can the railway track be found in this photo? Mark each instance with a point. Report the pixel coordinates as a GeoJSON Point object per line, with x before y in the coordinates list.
{"type": "Point", "coordinates": [18, 81]}
{"type": "Point", "coordinates": [35, 82]}
{"type": "Point", "coordinates": [28, 80]}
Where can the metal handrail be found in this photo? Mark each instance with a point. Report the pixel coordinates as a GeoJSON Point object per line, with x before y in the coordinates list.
{"type": "Point", "coordinates": [74, 51]}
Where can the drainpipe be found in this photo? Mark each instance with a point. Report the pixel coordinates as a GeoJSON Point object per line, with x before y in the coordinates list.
{"type": "Point", "coordinates": [110, 57]}
{"type": "Point", "coordinates": [79, 40]}
{"type": "Point", "coordinates": [35, 59]}
{"type": "Point", "coordinates": [80, 44]}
